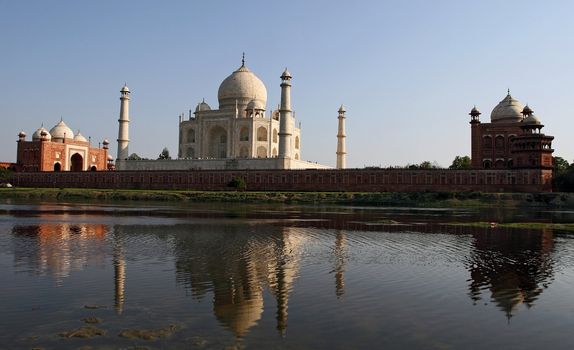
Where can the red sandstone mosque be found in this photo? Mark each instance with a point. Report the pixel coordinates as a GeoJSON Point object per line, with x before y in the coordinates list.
{"type": "Point", "coordinates": [60, 150]}
{"type": "Point", "coordinates": [512, 140]}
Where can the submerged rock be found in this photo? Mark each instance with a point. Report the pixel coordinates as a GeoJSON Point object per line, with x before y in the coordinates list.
{"type": "Point", "coordinates": [92, 320]}
{"type": "Point", "coordinates": [83, 332]}
{"type": "Point", "coordinates": [149, 334]}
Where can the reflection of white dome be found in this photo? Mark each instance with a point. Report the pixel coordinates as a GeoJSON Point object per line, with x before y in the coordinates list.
{"type": "Point", "coordinates": [41, 133]}
{"type": "Point", "coordinates": [60, 131]}
{"type": "Point", "coordinates": [241, 314]}
{"type": "Point", "coordinates": [241, 86]}
{"type": "Point", "coordinates": [79, 137]}
{"type": "Point", "coordinates": [507, 110]}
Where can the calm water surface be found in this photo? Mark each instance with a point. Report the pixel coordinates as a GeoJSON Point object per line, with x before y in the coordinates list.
{"type": "Point", "coordinates": [284, 277]}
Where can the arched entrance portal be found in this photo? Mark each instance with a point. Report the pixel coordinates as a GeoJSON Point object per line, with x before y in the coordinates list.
{"type": "Point", "coordinates": [77, 162]}
{"type": "Point", "coordinates": [57, 167]}
{"type": "Point", "coordinates": [217, 142]}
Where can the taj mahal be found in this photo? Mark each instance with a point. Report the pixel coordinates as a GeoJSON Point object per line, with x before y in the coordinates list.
{"type": "Point", "coordinates": [237, 135]}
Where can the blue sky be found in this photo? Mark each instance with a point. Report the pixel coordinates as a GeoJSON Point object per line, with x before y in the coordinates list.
{"type": "Point", "coordinates": [408, 72]}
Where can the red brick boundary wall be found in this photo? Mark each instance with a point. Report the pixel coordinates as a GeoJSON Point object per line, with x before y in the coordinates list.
{"type": "Point", "coordinates": [352, 180]}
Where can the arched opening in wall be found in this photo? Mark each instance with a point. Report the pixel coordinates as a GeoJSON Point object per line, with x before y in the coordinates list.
{"type": "Point", "coordinates": [487, 164]}
{"type": "Point", "coordinates": [297, 156]}
{"type": "Point", "coordinates": [499, 142]}
{"type": "Point", "coordinates": [296, 142]}
{"type": "Point", "coordinates": [93, 168]}
{"type": "Point", "coordinates": [77, 162]}
{"type": "Point", "coordinates": [243, 152]}
{"type": "Point", "coordinates": [191, 136]}
{"type": "Point", "coordinates": [510, 163]}
{"type": "Point", "coordinates": [261, 152]}
{"type": "Point", "coordinates": [274, 135]}
{"type": "Point", "coordinates": [499, 164]}
{"type": "Point", "coordinates": [274, 152]}
{"type": "Point", "coordinates": [57, 167]}
{"type": "Point", "coordinates": [190, 153]}
{"type": "Point", "coordinates": [244, 134]}
{"type": "Point", "coordinates": [261, 134]}
{"type": "Point", "coordinates": [217, 142]}
{"type": "Point", "coordinates": [487, 142]}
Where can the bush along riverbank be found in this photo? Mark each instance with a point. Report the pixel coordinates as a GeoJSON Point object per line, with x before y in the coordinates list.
{"type": "Point", "coordinates": [427, 199]}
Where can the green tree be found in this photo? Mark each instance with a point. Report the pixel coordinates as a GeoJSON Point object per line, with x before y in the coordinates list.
{"type": "Point", "coordinates": [238, 183]}
{"type": "Point", "coordinates": [560, 165]}
{"type": "Point", "coordinates": [164, 154]}
{"type": "Point", "coordinates": [426, 165]}
{"type": "Point", "coordinates": [134, 156]}
{"type": "Point", "coordinates": [562, 175]}
{"type": "Point", "coordinates": [460, 162]}
{"type": "Point", "coordinates": [5, 174]}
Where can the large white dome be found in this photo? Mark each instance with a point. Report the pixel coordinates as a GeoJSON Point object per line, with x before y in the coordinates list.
{"type": "Point", "coordinates": [61, 131]}
{"type": "Point", "coordinates": [242, 86]}
{"type": "Point", "coordinates": [507, 111]}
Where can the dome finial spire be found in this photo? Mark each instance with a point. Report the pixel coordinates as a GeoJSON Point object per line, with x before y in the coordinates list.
{"type": "Point", "coordinates": [508, 91]}
{"type": "Point", "coordinates": [243, 60]}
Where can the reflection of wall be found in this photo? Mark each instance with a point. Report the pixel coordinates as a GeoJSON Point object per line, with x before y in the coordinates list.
{"type": "Point", "coordinates": [58, 249]}
{"type": "Point", "coordinates": [514, 265]}
{"type": "Point", "coordinates": [236, 265]}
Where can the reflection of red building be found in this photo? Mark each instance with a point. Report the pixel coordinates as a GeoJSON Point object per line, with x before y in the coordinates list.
{"type": "Point", "coordinates": [512, 139]}
{"type": "Point", "coordinates": [59, 150]}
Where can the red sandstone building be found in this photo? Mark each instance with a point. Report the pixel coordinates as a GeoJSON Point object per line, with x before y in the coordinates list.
{"type": "Point", "coordinates": [509, 154]}
{"type": "Point", "coordinates": [512, 140]}
{"type": "Point", "coordinates": [59, 150]}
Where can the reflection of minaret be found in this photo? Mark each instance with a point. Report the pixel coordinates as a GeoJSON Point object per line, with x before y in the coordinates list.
{"type": "Point", "coordinates": [285, 272]}
{"type": "Point", "coordinates": [340, 243]}
{"type": "Point", "coordinates": [282, 295]}
{"type": "Point", "coordinates": [119, 277]}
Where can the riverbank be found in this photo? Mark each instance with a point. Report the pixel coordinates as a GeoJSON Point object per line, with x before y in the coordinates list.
{"type": "Point", "coordinates": [417, 199]}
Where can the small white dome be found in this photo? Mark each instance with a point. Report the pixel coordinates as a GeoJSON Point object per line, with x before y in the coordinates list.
{"type": "Point", "coordinates": [125, 88]}
{"type": "Point", "coordinates": [342, 109]}
{"type": "Point", "coordinates": [40, 134]}
{"type": "Point", "coordinates": [507, 111]}
{"type": "Point", "coordinates": [110, 157]}
{"type": "Point", "coordinates": [532, 119]}
{"type": "Point", "coordinates": [79, 137]}
{"type": "Point", "coordinates": [286, 74]}
{"type": "Point", "coordinates": [202, 106]}
{"type": "Point", "coordinates": [61, 131]}
{"type": "Point", "coordinates": [255, 104]}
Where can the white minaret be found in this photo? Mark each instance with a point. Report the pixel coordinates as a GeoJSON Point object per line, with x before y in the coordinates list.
{"type": "Point", "coordinates": [285, 122]}
{"type": "Point", "coordinates": [341, 149]}
{"type": "Point", "coordinates": [124, 121]}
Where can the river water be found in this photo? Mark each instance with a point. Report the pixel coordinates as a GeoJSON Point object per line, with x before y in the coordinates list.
{"type": "Point", "coordinates": [217, 276]}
